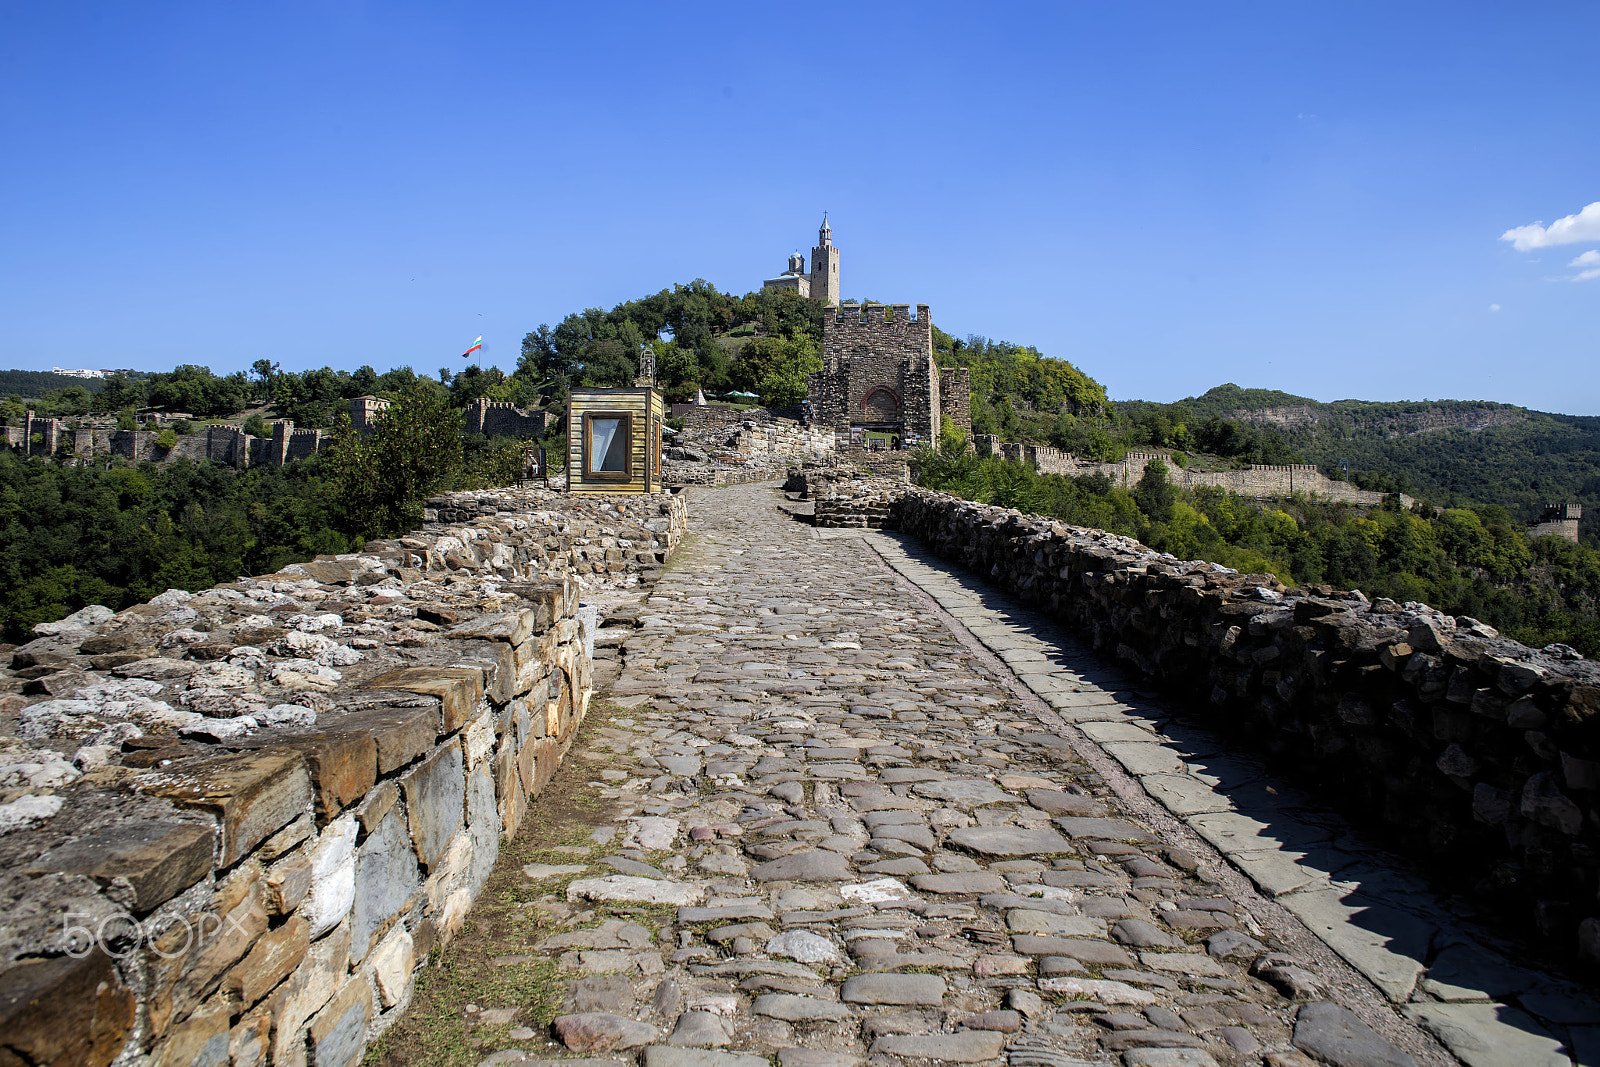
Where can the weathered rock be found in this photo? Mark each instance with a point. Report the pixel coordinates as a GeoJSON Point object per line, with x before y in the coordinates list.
{"type": "Point", "coordinates": [701, 1029]}
{"type": "Point", "coordinates": [596, 1031]}
{"type": "Point", "coordinates": [1335, 1036]}
{"type": "Point", "coordinates": [803, 946]}
{"type": "Point", "coordinates": [622, 887]}
{"type": "Point", "coordinates": [964, 1046]}
{"type": "Point", "coordinates": [804, 867]}
{"type": "Point", "coordinates": [791, 1008]}
{"type": "Point", "coordinates": [908, 989]}
{"type": "Point", "coordinates": [1009, 841]}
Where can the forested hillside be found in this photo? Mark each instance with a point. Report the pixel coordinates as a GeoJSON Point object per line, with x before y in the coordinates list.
{"type": "Point", "coordinates": [1450, 452]}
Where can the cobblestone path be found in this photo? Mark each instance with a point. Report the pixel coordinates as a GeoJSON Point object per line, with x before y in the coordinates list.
{"type": "Point", "coordinates": [848, 831]}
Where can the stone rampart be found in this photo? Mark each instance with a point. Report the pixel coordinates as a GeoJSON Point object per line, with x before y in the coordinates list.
{"type": "Point", "coordinates": [234, 823]}
{"type": "Point", "coordinates": [1257, 480]}
{"type": "Point", "coordinates": [1475, 754]}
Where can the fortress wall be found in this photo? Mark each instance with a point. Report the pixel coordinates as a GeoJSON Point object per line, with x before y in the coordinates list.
{"type": "Point", "coordinates": [1477, 755]}
{"type": "Point", "coordinates": [1257, 480]}
{"type": "Point", "coordinates": [265, 803]}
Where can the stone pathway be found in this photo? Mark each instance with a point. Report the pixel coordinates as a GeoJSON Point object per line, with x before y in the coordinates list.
{"type": "Point", "coordinates": [852, 826]}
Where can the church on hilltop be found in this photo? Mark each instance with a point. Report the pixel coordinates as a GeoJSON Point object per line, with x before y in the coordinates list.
{"type": "Point", "coordinates": [822, 284]}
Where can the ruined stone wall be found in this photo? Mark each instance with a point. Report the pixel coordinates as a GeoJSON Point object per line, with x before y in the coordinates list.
{"type": "Point", "coordinates": [955, 398]}
{"type": "Point", "coordinates": [1475, 754]}
{"type": "Point", "coordinates": [493, 418]}
{"type": "Point", "coordinates": [236, 822]}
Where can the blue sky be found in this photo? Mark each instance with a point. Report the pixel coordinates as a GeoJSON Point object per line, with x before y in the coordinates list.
{"type": "Point", "coordinates": [1308, 197]}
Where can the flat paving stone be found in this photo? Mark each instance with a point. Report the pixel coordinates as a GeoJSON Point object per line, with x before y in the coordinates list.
{"type": "Point", "coordinates": [964, 1046]}
{"type": "Point", "coordinates": [1491, 1035]}
{"type": "Point", "coordinates": [904, 989]}
{"type": "Point", "coordinates": [1009, 841]}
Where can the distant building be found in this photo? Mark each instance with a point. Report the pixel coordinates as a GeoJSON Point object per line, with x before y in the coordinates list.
{"type": "Point", "coordinates": [81, 373]}
{"type": "Point", "coordinates": [822, 283]}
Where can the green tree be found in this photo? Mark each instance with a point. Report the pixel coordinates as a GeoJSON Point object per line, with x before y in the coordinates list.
{"type": "Point", "coordinates": [775, 368]}
{"type": "Point", "coordinates": [383, 478]}
{"type": "Point", "coordinates": [1155, 493]}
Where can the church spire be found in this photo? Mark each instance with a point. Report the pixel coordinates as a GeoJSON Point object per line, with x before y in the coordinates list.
{"type": "Point", "coordinates": [824, 234]}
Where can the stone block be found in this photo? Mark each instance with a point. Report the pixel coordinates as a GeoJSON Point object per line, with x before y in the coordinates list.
{"type": "Point", "coordinates": [458, 689]}
{"type": "Point", "coordinates": [186, 963]}
{"type": "Point", "coordinates": [333, 876]}
{"type": "Point", "coordinates": [64, 1011]}
{"type": "Point", "coordinates": [400, 734]}
{"type": "Point", "coordinates": [201, 1040]}
{"type": "Point", "coordinates": [288, 882]}
{"type": "Point", "coordinates": [158, 859]}
{"type": "Point", "coordinates": [250, 1040]}
{"type": "Point", "coordinates": [386, 880]}
{"type": "Point", "coordinates": [378, 804]}
{"type": "Point", "coordinates": [251, 793]}
{"type": "Point", "coordinates": [274, 955]}
{"type": "Point", "coordinates": [304, 993]}
{"type": "Point", "coordinates": [343, 765]}
{"type": "Point", "coordinates": [392, 963]}
{"type": "Point", "coordinates": [483, 824]}
{"type": "Point", "coordinates": [337, 1035]}
{"type": "Point", "coordinates": [435, 792]}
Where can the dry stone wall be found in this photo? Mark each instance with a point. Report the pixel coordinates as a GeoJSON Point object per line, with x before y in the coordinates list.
{"type": "Point", "coordinates": [613, 541]}
{"type": "Point", "coordinates": [1476, 754]}
{"type": "Point", "coordinates": [233, 823]}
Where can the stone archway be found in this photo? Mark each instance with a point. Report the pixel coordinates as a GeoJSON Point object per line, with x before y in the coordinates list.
{"type": "Point", "coordinates": [881, 405]}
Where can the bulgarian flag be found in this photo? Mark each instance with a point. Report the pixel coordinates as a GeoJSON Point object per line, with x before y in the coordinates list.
{"type": "Point", "coordinates": [476, 346]}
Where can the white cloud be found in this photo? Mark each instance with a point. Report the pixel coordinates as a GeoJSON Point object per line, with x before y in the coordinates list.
{"type": "Point", "coordinates": [1584, 226]}
{"type": "Point", "coordinates": [1588, 266]}
{"type": "Point", "coordinates": [1494, 307]}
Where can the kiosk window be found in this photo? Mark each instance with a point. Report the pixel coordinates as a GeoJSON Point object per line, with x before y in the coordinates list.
{"type": "Point", "coordinates": [608, 445]}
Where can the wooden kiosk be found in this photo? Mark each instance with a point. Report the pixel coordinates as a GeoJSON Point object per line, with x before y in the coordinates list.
{"type": "Point", "coordinates": [614, 440]}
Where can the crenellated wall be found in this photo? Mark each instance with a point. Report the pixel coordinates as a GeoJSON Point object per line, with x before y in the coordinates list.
{"type": "Point", "coordinates": [236, 822]}
{"type": "Point", "coordinates": [493, 418]}
{"type": "Point", "coordinates": [1475, 754]}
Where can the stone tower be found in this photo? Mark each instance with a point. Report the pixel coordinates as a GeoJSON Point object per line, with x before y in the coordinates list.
{"type": "Point", "coordinates": [825, 267]}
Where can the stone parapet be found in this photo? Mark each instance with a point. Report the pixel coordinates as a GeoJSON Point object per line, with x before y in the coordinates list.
{"type": "Point", "coordinates": [233, 823]}
{"type": "Point", "coordinates": [616, 541]}
{"type": "Point", "coordinates": [1476, 754]}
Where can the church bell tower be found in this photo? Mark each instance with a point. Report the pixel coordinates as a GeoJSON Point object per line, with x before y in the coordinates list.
{"type": "Point", "coordinates": [825, 266]}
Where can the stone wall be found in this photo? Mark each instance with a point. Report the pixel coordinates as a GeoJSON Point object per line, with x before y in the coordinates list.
{"type": "Point", "coordinates": [1558, 520]}
{"type": "Point", "coordinates": [955, 398]}
{"type": "Point", "coordinates": [1475, 754]}
{"type": "Point", "coordinates": [233, 824]}
{"type": "Point", "coordinates": [493, 418]}
{"type": "Point", "coordinates": [1256, 480]}
{"type": "Point", "coordinates": [612, 541]}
